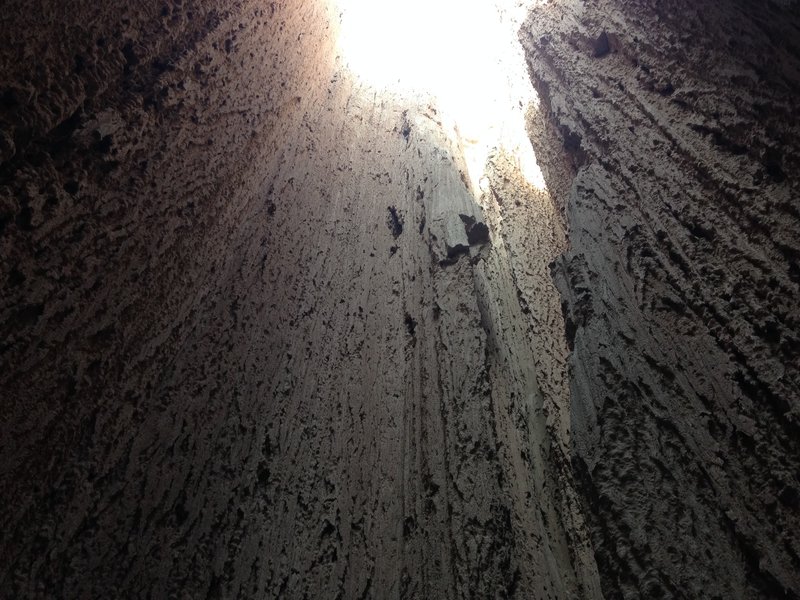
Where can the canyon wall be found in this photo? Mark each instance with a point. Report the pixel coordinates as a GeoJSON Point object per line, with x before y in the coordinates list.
{"type": "Point", "coordinates": [136, 146]}
{"type": "Point", "coordinates": [680, 285]}
{"type": "Point", "coordinates": [262, 337]}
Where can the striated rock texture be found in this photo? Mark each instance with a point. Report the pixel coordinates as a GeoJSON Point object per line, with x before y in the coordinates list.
{"type": "Point", "coordinates": [680, 285]}
{"type": "Point", "coordinates": [260, 337]}
{"type": "Point", "coordinates": [140, 141]}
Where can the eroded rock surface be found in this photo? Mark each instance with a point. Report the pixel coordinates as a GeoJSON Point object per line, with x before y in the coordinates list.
{"type": "Point", "coordinates": [261, 336]}
{"type": "Point", "coordinates": [679, 285]}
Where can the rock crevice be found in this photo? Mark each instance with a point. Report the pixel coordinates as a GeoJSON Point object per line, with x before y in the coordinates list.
{"type": "Point", "coordinates": [261, 336]}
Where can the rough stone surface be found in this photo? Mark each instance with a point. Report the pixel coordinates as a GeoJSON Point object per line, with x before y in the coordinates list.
{"type": "Point", "coordinates": [261, 337]}
{"type": "Point", "coordinates": [680, 285]}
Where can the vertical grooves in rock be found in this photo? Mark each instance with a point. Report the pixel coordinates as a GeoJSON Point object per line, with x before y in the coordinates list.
{"type": "Point", "coordinates": [260, 337]}
{"type": "Point", "coordinates": [680, 198]}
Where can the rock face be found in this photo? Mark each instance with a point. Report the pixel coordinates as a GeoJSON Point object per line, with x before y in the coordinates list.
{"type": "Point", "coordinates": [261, 337]}
{"type": "Point", "coordinates": [680, 285]}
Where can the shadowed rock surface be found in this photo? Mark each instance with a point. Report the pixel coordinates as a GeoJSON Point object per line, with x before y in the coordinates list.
{"type": "Point", "coordinates": [260, 337]}
{"type": "Point", "coordinates": [680, 285]}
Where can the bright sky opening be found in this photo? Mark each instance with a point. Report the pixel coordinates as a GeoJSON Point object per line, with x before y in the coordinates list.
{"type": "Point", "coordinates": [463, 54]}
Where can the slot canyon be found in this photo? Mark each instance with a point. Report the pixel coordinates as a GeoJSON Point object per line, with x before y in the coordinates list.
{"type": "Point", "coordinates": [339, 299]}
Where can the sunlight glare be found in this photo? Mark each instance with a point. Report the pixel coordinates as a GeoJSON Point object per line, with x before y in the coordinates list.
{"type": "Point", "coordinates": [463, 55]}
